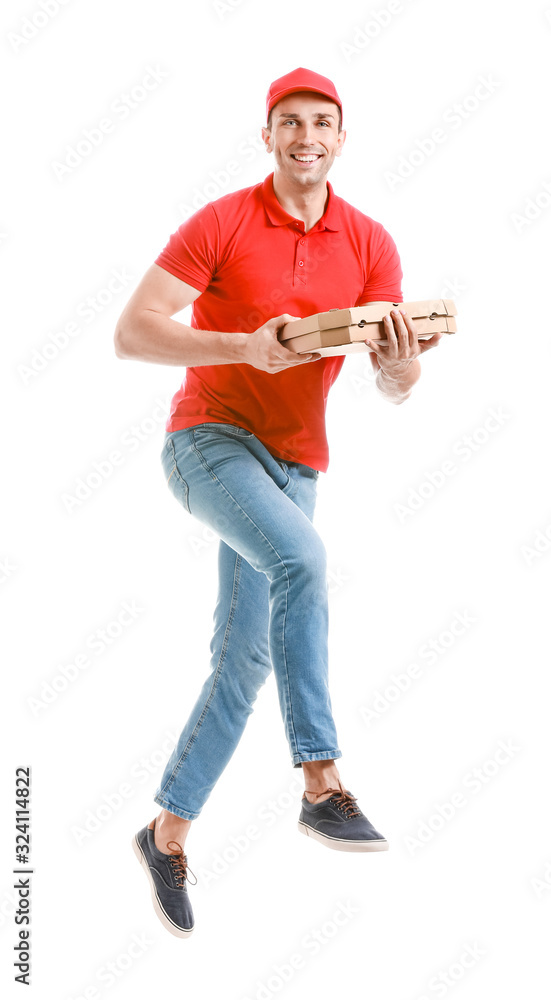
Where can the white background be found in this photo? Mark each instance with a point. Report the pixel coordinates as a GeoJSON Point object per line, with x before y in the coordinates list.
{"type": "Point", "coordinates": [475, 545]}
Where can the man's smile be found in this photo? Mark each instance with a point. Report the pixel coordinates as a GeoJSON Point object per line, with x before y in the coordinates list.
{"type": "Point", "coordinates": [306, 157]}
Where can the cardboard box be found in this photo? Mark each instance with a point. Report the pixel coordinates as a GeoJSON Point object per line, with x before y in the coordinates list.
{"type": "Point", "coordinates": [344, 331]}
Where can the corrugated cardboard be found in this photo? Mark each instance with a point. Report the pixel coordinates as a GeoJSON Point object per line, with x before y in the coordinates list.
{"type": "Point", "coordinates": [344, 331]}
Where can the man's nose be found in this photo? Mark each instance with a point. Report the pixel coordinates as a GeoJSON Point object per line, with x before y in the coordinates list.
{"type": "Point", "coordinates": [308, 134]}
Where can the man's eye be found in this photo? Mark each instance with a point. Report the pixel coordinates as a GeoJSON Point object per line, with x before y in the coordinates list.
{"type": "Point", "coordinates": [290, 121]}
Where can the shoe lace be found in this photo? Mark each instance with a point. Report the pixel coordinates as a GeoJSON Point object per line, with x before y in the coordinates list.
{"type": "Point", "coordinates": [180, 867]}
{"type": "Point", "coordinates": [342, 799]}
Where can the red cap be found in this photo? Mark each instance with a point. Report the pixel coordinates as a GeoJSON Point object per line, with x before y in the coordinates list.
{"type": "Point", "coordinates": [300, 79]}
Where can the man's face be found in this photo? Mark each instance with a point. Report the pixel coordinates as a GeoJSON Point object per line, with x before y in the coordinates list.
{"type": "Point", "coordinates": [304, 124]}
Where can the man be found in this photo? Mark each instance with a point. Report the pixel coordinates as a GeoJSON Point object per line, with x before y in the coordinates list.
{"type": "Point", "coordinates": [245, 443]}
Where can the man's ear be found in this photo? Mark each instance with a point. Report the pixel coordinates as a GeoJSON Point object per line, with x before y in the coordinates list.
{"type": "Point", "coordinates": [342, 137]}
{"type": "Point", "coordinates": [266, 138]}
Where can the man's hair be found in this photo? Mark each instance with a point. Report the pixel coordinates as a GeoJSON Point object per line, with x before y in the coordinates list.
{"type": "Point", "coordinates": [269, 124]}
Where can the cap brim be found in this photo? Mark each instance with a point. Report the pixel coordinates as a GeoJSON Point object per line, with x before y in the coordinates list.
{"type": "Point", "coordinates": [298, 90]}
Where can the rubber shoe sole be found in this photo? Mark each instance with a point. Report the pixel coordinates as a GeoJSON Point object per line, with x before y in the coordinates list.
{"type": "Point", "coordinates": [163, 917]}
{"type": "Point", "coordinates": [338, 844]}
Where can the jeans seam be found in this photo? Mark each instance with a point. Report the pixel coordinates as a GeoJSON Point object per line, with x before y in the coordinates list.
{"type": "Point", "coordinates": [287, 684]}
{"type": "Point", "coordinates": [170, 807]}
{"type": "Point", "coordinates": [233, 433]}
{"type": "Point", "coordinates": [217, 672]}
{"type": "Point", "coordinates": [184, 486]}
{"type": "Point", "coordinates": [314, 755]}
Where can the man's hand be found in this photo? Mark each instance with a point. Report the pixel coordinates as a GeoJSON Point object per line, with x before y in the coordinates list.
{"type": "Point", "coordinates": [403, 344]}
{"type": "Point", "coordinates": [396, 363]}
{"type": "Point", "coordinates": [264, 351]}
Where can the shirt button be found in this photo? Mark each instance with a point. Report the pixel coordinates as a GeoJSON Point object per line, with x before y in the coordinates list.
{"type": "Point", "coordinates": [301, 263]}
{"type": "Point", "coordinates": [301, 241]}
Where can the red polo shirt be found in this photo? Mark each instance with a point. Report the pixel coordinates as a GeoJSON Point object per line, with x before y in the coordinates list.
{"type": "Point", "coordinates": [252, 261]}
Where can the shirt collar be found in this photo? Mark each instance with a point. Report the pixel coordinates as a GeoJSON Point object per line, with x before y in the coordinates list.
{"type": "Point", "coordinates": [331, 218]}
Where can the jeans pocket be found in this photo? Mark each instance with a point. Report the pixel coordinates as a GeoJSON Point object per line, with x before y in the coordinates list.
{"type": "Point", "coordinates": [176, 483]}
{"type": "Point", "coordinates": [285, 470]}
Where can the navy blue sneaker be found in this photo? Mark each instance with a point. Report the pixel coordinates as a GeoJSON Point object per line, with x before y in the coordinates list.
{"type": "Point", "coordinates": [340, 824]}
{"type": "Point", "coordinates": [167, 874]}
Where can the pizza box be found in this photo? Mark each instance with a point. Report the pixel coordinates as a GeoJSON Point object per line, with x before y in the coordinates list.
{"type": "Point", "coordinates": [372, 312]}
{"type": "Point", "coordinates": [344, 331]}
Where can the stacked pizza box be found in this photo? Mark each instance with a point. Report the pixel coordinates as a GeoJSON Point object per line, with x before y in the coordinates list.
{"type": "Point", "coordinates": [344, 331]}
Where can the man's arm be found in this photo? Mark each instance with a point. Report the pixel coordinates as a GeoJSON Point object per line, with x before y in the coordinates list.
{"type": "Point", "coordinates": [146, 332]}
{"type": "Point", "coordinates": [397, 385]}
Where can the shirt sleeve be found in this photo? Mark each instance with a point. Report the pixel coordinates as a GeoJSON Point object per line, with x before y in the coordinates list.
{"type": "Point", "coordinates": [384, 282]}
{"type": "Point", "coordinates": [191, 253]}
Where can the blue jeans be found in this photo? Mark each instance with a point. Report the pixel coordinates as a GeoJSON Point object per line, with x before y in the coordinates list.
{"type": "Point", "coordinates": [272, 606]}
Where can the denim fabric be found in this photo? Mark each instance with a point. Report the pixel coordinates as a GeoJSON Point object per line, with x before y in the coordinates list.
{"type": "Point", "coordinates": [271, 610]}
